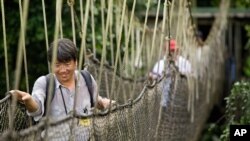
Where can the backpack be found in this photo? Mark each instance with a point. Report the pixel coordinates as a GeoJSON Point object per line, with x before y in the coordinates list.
{"type": "Point", "coordinates": [85, 74]}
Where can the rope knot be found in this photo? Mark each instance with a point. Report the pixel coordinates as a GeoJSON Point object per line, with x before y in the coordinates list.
{"type": "Point", "coordinates": [71, 2]}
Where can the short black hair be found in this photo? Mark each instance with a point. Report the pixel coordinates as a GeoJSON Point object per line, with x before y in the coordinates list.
{"type": "Point", "coordinates": [66, 50]}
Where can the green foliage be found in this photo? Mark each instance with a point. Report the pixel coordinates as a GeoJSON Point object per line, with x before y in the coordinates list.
{"type": "Point", "coordinates": [215, 3]}
{"type": "Point", "coordinates": [247, 28]}
{"type": "Point", "coordinates": [212, 132]}
{"type": "Point", "coordinates": [241, 3]}
{"type": "Point", "coordinates": [237, 107]}
{"type": "Point", "coordinates": [238, 103]}
{"type": "Point", "coordinates": [237, 112]}
{"type": "Point", "coordinates": [246, 67]}
{"type": "Point", "coordinates": [141, 7]}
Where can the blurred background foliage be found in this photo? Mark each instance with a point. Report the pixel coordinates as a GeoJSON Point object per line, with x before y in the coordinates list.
{"type": "Point", "coordinates": [237, 108]}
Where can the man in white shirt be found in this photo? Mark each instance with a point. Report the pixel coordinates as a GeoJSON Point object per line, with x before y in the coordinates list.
{"type": "Point", "coordinates": [184, 67]}
{"type": "Point", "coordinates": [183, 64]}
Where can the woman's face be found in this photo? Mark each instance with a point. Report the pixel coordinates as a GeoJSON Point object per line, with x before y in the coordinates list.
{"type": "Point", "coordinates": [64, 71]}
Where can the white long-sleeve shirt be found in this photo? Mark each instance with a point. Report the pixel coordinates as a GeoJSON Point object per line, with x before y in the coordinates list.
{"type": "Point", "coordinates": [182, 63]}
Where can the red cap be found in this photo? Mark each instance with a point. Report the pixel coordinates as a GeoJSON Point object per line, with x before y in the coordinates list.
{"type": "Point", "coordinates": [172, 45]}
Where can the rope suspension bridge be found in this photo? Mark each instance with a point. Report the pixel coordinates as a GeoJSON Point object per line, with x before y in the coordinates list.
{"type": "Point", "coordinates": [133, 48]}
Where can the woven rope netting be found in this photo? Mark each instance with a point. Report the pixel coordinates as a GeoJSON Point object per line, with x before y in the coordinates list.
{"type": "Point", "coordinates": [137, 114]}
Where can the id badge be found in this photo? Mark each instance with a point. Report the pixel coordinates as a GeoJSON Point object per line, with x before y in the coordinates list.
{"type": "Point", "coordinates": [84, 122]}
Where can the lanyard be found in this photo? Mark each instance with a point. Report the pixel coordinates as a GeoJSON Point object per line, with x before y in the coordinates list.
{"type": "Point", "coordinates": [63, 100]}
